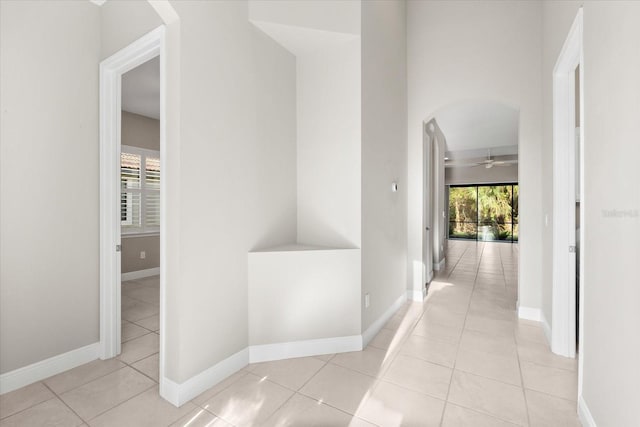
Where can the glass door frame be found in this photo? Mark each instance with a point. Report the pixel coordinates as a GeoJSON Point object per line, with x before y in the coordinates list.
{"type": "Point", "coordinates": [477, 223]}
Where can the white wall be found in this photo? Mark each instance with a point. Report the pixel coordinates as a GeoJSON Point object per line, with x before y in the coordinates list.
{"type": "Point", "coordinates": [337, 16]}
{"type": "Point", "coordinates": [384, 95]}
{"type": "Point", "coordinates": [275, 151]}
{"type": "Point", "coordinates": [328, 149]}
{"type": "Point", "coordinates": [122, 23]}
{"type": "Point", "coordinates": [249, 198]}
{"type": "Point", "coordinates": [300, 295]}
{"type": "Point", "coordinates": [49, 53]}
{"type": "Point", "coordinates": [481, 175]}
{"type": "Point", "coordinates": [132, 246]}
{"type": "Point", "coordinates": [611, 242]}
{"type": "Point", "coordinates": [232, 179]}
{"type": "Point", "coordinates": [140, 131]}
{"type": "Point", "coordinates": [478, 50]}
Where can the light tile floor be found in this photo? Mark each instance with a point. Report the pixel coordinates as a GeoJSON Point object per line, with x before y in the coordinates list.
{"type": "Point", "coordinates": [461, 358]}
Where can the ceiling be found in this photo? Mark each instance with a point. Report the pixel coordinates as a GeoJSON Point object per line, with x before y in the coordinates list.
{"type": "Point", "coordinates": [141, 89]}
{"type": "Point", "coordinates": [482, 153]}
{"type": "Point", "coordinates": [301, 40]}
{"type": "Point", "coordinates": [472, 127]}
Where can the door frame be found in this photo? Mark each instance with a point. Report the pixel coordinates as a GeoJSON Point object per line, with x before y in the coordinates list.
{"type": "Point", "coordinates": [147, 47]}
{"type": "Point", "coordinates": [563, 325]}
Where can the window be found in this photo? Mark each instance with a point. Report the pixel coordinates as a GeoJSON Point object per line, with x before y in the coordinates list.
{"type": "Point", "coordinates": [139, 190]}
{"type": "Point", "coordinates": [484, 212]}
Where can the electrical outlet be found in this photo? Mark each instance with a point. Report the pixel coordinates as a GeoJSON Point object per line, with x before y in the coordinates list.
{"type": "Point", "coordinates": [367, 300]}
{"type": "Point", "coordinates": [143, 254]}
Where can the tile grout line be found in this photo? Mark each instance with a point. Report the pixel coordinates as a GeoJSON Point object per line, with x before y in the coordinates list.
{"type": "Point", "coordinates": [138, 370]}
{"type": "Point", "coordinates": [517, 357]}
{"type": "Point", "coordinates": [524, 394]}
{"type": "Point", "coordinates": [115, 406]}
{"type": "Point", "coordinates": [546, 366]}
{"type": "Point", "coordinates": [59, 395]}
{"type": "Point", "coordinates": [55, 396]}
{"type": "Point", "coordinates": [215, 394]}
{"type": "Point", "coordinates": [139, 336]}
{"type": "Point", "coordinates": [64, 403]}
{"type": "Point", "coordinates": [120, 404]}
{"type": "Point", "coordinates": [325, 403]}
{"type": "Point", "coordinates": [297, 392]}
{"type": "Point", "coordinates": [460, 338]}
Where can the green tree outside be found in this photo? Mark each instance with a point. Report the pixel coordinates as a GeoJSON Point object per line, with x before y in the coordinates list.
{"type": "Point", "coordinates": [484, 212]}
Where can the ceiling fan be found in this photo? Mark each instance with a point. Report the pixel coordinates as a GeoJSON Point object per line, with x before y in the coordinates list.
{"type": "Point", "coordinates": [488, 163]}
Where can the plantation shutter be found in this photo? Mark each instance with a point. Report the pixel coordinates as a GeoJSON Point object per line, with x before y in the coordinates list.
{"type": "Point", "coordinates": [152, 200]}
{"type": "Point", "coordinates": [139, 190]}
{"type": "Point", "coordinates": [130, 194]}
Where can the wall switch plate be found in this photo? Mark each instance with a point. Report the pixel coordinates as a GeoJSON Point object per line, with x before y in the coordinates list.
{"type": "Point", "coordinates": [367, 300]}
{"type": "Point", "coordinates": [143, 254]}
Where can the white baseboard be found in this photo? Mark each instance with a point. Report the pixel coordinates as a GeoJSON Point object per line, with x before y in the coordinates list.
{"type": "Point", "coordinates": [530, 313]}
{"type": "Point", "coordinates": [289, 350]}
{"type": "Point", "coordinates": [132, 275]}
{"type": "Point", "coordinates": [546, 328]}
{"type": "Point", "coordinates": [437, 266]}
{"type": "Point", "coordinates": [178, 394]}
{"type": "Point", "coordinates": [584, 414]}
{"type": "Point", "coordinates": [44, 369]}
{"type": "Point", "coordinates": [380, 322]}
{"type": "Point", "coordinates": [413, 295]}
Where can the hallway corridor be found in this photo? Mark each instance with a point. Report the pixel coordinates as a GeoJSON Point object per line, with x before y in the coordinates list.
{"type": "Point", "coordinates": [460, 359]}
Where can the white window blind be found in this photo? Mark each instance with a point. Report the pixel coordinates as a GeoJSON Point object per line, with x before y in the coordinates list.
{"type": "Point", "coordinates": [139, 190]}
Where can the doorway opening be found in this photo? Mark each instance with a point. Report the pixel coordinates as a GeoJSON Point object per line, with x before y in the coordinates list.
{"type": "Point", "coordinates": [132, 199]}
{"type": "Point", "coordinates": [568, 198]}
{"type": "Point", "coordinates": [140, 216]}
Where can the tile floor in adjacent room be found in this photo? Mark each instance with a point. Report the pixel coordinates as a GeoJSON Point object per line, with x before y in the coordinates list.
{"type": "Point", "coordinates": [461, 358]}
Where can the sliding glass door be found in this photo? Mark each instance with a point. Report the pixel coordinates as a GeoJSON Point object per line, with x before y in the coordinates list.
{"type": "Point", "coordinates": [484, 212]}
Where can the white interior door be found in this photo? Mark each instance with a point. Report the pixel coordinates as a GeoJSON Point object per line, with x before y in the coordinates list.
{"type": "Point", "coordinates": [573, 182]}
{"type": "Point", "coordinates": [573, 251]}
{"type": "Point", "coordinates": [566, 110]}
{"type": "Point", "coordinates": [427, 233]}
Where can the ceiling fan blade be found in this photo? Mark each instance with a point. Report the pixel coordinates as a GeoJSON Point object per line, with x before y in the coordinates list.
{"type": "Point", "coordinates": [461, 165]}
{"type": "Point", "coordinates": [505, 162]}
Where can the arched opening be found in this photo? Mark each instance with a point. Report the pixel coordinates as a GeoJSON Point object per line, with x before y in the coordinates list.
{"type": "Point", "coordinates": [470, 185]}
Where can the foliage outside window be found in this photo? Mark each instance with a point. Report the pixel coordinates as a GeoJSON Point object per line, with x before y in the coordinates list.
{"type": "Point", "coordinates": [139, 190]}
{"type": "Point", "coordinates": [484, 212]}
